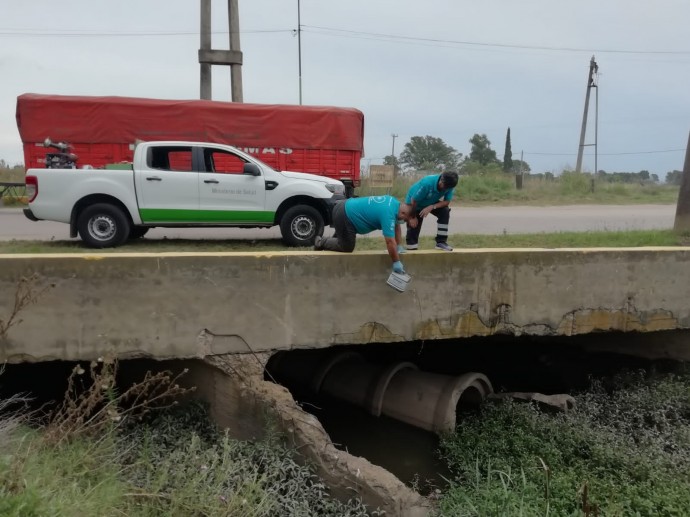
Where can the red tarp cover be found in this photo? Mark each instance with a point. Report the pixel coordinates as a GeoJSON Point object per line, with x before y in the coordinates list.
{"type": "Point", "coordinates": [78, 119]}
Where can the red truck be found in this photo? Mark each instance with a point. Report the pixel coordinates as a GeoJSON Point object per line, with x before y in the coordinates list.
{"type": "Point", "coordinates": [323, 140]}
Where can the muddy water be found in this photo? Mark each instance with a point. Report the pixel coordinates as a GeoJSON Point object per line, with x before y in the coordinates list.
{"type": "Point", "coordinates": [408, 452]}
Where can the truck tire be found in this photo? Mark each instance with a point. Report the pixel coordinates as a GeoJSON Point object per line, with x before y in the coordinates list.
{"type": "Point", "coordinates": [300, 225]}
{"type": "Point", "coordinates": [137, 232]}
{"type": "Point", "coordinates": [103, 225]}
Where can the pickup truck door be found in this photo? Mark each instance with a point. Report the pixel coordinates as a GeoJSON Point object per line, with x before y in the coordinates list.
{"type": "Point", "coordinates": [228, 195]}
{"type": "Point", "coordinates": [168, 186]}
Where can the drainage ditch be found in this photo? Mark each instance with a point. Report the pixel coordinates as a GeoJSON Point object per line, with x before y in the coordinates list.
{"type": "Point", "coordinates": [390, 403]}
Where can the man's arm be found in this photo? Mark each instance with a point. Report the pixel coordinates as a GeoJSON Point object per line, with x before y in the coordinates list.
{"type": "Point", "coordinates": [427, 209]}
{"type": "Point", "coordinates": [392, 247]}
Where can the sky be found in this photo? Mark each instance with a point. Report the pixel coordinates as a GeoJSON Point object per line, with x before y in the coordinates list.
{"type": "Point", "coordinates": [443, 68]}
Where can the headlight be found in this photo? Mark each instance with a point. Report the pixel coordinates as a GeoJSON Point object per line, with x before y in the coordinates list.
{"type": "Point", "coordinates": [336, 188]}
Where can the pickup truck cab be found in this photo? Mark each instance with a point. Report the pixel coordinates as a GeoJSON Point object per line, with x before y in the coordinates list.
{"type": "Point", "coordinates": [181, 184]}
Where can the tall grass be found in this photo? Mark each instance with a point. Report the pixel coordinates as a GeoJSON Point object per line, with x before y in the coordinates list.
{"type": "Point", "coordinates": [172, 463]}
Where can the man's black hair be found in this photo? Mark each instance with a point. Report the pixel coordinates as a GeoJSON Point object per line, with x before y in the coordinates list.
{"type": "Point", "coordinates": [450, 179]}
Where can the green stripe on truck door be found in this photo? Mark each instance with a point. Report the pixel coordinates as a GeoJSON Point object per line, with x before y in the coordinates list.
{"type": "Point", "coordinates": [165, 215]}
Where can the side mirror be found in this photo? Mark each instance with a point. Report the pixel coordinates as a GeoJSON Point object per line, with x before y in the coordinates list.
{"type": "Point", "coordinates": [252, 169]}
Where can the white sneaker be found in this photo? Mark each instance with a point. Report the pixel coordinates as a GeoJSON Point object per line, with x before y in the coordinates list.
{"type": "Point", "coordinates": [443, 246]}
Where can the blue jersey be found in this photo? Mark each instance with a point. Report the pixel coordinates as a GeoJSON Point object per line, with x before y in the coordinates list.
{"type": "Point", "coordinates": [426, 193]}
{"type": "Point", "coordinates": [373, 213]}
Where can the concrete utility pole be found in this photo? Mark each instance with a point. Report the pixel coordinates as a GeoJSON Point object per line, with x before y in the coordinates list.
{"type": "Point", "coordinates": [235, 68]}
{"type": "Point", "coordinates": [205, 46]}
{"type": "Point", "coordinates": [393, 150]}
{"type": "Point", "coordinates": [299, 51]}
{"type": "Point", "coordinates": [591, 83]}
{"type": "Point", "coordinates": [232, 57]}
{"type": "Point", "coordinates": [682, 222]}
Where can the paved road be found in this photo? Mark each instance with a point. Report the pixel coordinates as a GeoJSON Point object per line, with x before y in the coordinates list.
{"type": "Point", "coordinates": [481, 220]}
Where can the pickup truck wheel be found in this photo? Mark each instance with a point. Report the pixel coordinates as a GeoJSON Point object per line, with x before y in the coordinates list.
{"type": "Point", "coordinates": [103, 226]}
{"type": "Point", "coordinates": [300, 225]}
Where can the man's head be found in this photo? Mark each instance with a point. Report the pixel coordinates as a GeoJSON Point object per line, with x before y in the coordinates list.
{"type": "Point", "coordinates": [404, 212]}
{"type": "Point", "coordinates": [448, 180]}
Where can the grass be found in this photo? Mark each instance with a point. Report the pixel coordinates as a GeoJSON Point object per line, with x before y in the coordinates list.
{"type": "Point", "coordinates": [635, 238]}
{"type": "Point", "coordinates": [174, 462]}
{"type": "Point", "coordinates": [625, 450]}
{"type": "Point", "coordinates": [567, 189]}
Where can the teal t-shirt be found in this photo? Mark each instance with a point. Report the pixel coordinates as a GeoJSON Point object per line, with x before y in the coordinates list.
{"type": "Point", "coordinates": [425, 192]}
{"type": "Point", "coordinates": [373, 213]}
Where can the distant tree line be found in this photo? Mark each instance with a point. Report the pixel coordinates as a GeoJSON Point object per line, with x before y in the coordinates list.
{"type": "Point", "coordinates": [432, 154]}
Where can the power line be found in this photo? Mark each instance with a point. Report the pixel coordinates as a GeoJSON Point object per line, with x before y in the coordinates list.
{"type": "Point", "coordinates": [80, 33]}
{"type": "Point", "coordinates": [394, 37]}
{"type": "Point", "coordinates": [610, 154]}
{"type": "Point", "coordinates": [4, 31]}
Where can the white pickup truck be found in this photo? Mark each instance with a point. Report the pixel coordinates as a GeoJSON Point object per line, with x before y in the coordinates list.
{"type": "Point", "coordinates": [182, 184]}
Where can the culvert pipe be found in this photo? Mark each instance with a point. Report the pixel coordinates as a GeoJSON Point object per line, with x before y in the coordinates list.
{"type": "Point", "coordinates": [349, 377]}
{"type": "Point", "coordinates": [431, 401]}
{"type": "Point", "coordinates": [398, 390]}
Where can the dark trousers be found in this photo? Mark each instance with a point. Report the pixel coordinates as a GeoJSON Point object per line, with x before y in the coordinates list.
{"type": "Point", "coordinates": [443, 218]}
{"type": "Point", "coordinates": [345, 234]}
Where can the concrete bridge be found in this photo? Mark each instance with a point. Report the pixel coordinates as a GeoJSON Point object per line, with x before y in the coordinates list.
{"type": "Point", "coordinates": [188, 305]}
{"type": "Point", "coordinates": [227, 313]}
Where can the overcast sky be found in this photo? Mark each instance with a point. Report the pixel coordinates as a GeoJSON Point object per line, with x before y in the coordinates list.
{"type": "Point", "coordinates": [445, 68]}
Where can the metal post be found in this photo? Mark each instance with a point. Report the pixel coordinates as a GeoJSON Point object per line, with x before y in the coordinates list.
{"type": "Point", "coordinates": [235, 68]}
{"type": "Point", "coordinates": [299, 49]}
{"type": "Point", "coordinates": [205, 45]}
{"type": "Point", "coordinates": [393, 150]}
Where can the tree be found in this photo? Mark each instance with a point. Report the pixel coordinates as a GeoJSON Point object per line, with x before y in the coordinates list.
{"type": "Point", "coordinates": [481, 150]}
{"type": "Point", "coordinates": [429, 153]}
{"type": "Point", "coordinates": [520, 166]}
{"type": "Point", "coordinates": [674, 177]}
{"type": "Point", "coordinates": [391, 160]}
{"type": "Point", "coordinates": [508, 155]}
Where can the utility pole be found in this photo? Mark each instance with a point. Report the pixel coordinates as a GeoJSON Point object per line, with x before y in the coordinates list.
{"type": "Point", "coordinates": [209, 57]}
{"type": "Point", "coordinates": [393, 150]}
{"type": "Point", "coordinates": [235, 68]}
{"type": "Point", "coordinates": [591, 83]}
{"type": "Point", "coordinates": [682, 221]}
{"type": "Point", "coordinates": [299, 50]}
{"type": "Point", "coordinates": [205, 46]}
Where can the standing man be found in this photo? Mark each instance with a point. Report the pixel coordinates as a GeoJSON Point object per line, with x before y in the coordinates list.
{"type": "Point", "coordinates": [431, 195]}
{"type": "Point", "coordinates": [361, 215]}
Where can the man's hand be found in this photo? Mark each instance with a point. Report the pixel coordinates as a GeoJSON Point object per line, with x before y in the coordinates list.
{"type": "Point", "coordinates": [413, 222]}
{"type": "Point", "coordinates": [398, 267]}
{"type": "Point", "coordinates": [426, 210]}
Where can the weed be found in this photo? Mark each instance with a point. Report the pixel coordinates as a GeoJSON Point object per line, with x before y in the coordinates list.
{"type": "Point", "coordinates": [93, 406]}
{"type": "Point", "coordinates": [27, 292]}
{"type": "Point", "coordinates": [625, 450]}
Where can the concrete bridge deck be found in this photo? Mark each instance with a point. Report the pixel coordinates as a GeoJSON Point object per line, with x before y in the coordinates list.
{"type": "Point", "coordinates": [187, 305]}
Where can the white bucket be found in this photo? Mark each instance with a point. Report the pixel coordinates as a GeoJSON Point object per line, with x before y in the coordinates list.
{"type": "Point", "coordinates": [399, 281]}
